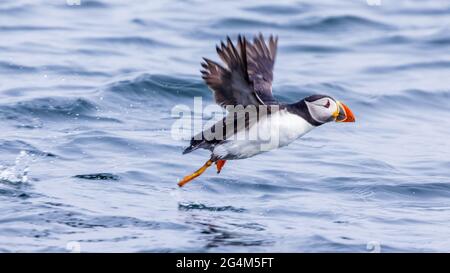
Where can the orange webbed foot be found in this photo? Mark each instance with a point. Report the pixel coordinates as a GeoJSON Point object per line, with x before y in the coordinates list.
{"type": "Point", "coordinates": [219, 165]}
{"type": "Point", "coordinates": [197, 173]}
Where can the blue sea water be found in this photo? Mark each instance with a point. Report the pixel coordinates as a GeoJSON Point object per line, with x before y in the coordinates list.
{"type": "Point", "coordinates": [89, 163]}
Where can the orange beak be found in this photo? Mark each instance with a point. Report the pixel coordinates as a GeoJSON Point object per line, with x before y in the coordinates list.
{"type": "Point", "coordinates": [343, 113]}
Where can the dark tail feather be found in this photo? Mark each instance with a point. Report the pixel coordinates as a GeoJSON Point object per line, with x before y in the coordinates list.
{"type": "Point", "coordinates": [194, 145]}
{"type": "Point", "coordinates": [189, 149]}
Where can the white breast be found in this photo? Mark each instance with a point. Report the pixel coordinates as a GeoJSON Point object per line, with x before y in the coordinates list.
{"type": "Point", "coordinates": [274, 131]}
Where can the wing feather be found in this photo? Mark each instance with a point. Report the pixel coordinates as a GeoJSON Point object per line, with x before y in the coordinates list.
{"type": "Point", "coordinates": [245, 80]}
{"type": "Point", "coordinates": [248, 75]}
{"type": "Point", "coordinates": [261, 60]}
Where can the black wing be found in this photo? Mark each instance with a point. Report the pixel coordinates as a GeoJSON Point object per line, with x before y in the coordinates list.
{"type": "Point", "coordinates": [260, 63]}
{"type": "Point", "coordinates": [247, 78]}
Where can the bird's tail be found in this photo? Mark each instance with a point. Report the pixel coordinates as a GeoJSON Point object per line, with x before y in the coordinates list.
{"type": "Point", "coordinates": [189, 149]}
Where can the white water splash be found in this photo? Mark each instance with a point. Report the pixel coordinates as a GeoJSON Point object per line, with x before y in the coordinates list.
{"type": "Point", "coordinates": [17, 173]}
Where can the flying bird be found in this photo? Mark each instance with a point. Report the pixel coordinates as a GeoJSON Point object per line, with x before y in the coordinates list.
{"type": "Point", "coordinates": [246, 80]}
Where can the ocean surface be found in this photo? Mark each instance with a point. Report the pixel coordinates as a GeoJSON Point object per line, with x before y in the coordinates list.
{"type": "Point", "coordinates": [89, 162]}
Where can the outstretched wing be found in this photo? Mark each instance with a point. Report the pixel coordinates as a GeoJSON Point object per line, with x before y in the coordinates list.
{"type": "Point", "coordinates": [247, 78]}
{"type": "Point", "coordinates": [260, 63]}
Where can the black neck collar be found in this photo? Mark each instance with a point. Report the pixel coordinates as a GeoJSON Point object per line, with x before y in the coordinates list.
{"type": "Point", "coordinates": [301, 109]}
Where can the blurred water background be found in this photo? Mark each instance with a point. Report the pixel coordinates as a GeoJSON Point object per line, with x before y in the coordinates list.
{"type": "Point", "coordinates": [88, 160]}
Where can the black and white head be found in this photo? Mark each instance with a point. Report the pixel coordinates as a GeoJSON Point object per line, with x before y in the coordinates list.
{"type": "Point", "coordinates": [323, 109]}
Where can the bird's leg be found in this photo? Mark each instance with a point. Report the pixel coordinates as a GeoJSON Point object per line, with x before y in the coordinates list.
{"type": "Point", "coordinates": [197, 173]}
{"type": "Point", "coordinates": [219, 165]}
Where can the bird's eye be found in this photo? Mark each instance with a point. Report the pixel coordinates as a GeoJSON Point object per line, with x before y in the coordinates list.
{"type": "Point", "coordinates": [327, 105]}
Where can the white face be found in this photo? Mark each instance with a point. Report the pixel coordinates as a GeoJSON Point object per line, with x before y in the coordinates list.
{"type": "Point", "coordinates": [322, 109]}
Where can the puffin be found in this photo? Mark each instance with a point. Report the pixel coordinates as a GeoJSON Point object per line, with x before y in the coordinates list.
{"type": "Point", "coordinates": [256, 121]}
